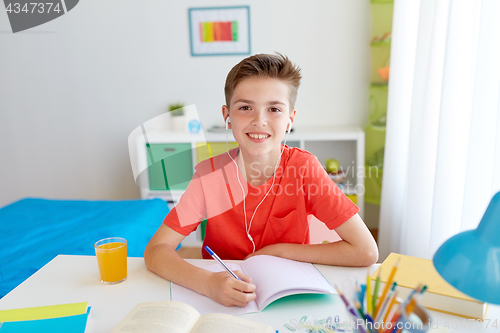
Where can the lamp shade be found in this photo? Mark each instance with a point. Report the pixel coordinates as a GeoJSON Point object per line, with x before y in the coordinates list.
{"type": "Point", "coordinates": [470, 260]}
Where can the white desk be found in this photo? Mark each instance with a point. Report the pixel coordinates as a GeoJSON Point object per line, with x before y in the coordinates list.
{"type": "Point", "coordinates": [69, 279]}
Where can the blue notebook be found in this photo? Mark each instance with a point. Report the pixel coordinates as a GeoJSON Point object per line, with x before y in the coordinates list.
{"type": "Point", "coordinates": [68, 324]}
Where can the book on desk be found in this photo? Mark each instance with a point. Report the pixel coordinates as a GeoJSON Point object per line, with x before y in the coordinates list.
{"type": "Point", "coordinates": [440, 295]}
{"type": "Point", "coordinates": [178, 317]}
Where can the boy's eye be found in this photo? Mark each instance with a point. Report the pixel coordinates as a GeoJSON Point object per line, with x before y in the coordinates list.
{"type": "Point", "coordinates": [245, 107]}
{"type": "Point", "coordinates": [275, 110]}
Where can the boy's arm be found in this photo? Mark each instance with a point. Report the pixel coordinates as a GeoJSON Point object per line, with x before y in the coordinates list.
{"type": "Point", "coordinates": [160, 257]}
{"type": "Point", "coordinates": [357, 247]}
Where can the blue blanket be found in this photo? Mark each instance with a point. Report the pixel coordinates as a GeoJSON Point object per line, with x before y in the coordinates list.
{"type": "Point", "coordinates": [34, 231]}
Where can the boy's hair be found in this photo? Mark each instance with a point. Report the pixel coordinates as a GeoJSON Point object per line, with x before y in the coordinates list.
{"type": "Point", "coordinates": [265, 65]}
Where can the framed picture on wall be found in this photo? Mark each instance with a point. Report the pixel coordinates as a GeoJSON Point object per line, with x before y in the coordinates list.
{"type": "Point", "coordinates": [219, 30]}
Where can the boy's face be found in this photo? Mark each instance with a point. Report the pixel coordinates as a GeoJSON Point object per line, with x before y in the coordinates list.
{"type": "Point", "coordinates": [259, 114]}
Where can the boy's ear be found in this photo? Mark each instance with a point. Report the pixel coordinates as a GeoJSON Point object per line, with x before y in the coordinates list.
{"type": "Point", "coordinates": [292, 115]}
{"type": "Point", "coordinates": [225, 114]}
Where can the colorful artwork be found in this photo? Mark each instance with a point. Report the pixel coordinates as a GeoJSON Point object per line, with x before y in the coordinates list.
{"type": "Point", "coordinates": [219, 30]}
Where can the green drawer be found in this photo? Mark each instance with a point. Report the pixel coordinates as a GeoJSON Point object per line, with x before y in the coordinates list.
{"type": "Point", "coordinates": [170, 166]}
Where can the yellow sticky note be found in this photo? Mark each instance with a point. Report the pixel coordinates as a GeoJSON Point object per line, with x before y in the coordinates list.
{"type": "Point", "coordinates": [43, 312]}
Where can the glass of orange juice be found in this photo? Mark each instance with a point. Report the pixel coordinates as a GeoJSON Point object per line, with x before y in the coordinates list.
{"type": "Point", "coordinates": [111, 256]}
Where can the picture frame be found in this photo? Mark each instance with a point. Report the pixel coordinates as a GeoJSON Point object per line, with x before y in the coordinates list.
{"type": "Point", "coordinates": [217, 31]}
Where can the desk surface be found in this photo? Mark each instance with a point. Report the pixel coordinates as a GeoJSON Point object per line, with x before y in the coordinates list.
{"type": "Point", "coordinates": [69, 279]}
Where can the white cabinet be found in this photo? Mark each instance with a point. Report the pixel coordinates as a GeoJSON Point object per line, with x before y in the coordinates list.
{"type": "Point", "coordinates": [346, 144]}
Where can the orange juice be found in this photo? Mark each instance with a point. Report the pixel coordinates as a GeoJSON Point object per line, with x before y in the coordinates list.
{"type": "Point", "coordinates": [112, 261]}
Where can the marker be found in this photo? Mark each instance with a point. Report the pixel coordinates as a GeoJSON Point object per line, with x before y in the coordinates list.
{"type": "Point", "coordinates": [220, 262]}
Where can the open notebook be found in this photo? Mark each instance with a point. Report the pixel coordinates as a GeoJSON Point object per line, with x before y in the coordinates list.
{"type": "Point", "coordinates": [274, 278]}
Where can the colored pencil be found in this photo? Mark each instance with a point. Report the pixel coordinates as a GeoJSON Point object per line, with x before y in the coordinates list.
{"type": "Point", "coordinates": [370, 319]}
{"type": "Point", "coordinates": [365, 317]}
{"type": "Point", "coordinates": [357, 305]}
{"type": "Point", "coordinates": [386, 301]}
{"type": "Point", "coordinates": [387, 285]}
{"type": "Point", "coordinates": [362, 296]}
{"type": "Point", "coordinates": [358, 292]}
{"type": "Point", "coordinates": [375, 293]}
{"type": "Point", "coordinates": [369, 303]}
{"type": "Point", "coordinates": [394, 320]}
{"type": "Point", "coordinates": [353, 312]}
{"type": "Point", "coordinates": [391, 304]}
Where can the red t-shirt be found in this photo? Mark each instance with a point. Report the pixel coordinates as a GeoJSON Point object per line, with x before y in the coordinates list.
{"type": "Point", "coordinates": [301, 187]}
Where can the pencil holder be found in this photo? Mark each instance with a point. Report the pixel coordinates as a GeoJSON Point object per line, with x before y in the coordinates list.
{"type": "Point", "coordinates": [417, 322]}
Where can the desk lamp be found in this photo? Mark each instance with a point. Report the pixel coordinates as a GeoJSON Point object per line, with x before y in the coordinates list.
{"type": "Point", "coordinates": [470, 260]}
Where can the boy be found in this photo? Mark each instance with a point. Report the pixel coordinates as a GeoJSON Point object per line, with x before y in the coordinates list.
{"type": "Point", "coordinates": [257, 197]}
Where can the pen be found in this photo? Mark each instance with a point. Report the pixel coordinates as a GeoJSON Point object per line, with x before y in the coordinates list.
{"type": "Point", "coordinates": [216, 257]}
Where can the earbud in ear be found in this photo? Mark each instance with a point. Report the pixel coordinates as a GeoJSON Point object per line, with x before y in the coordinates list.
{"type": "Point", "coordinates": [227, 123]}
{"type": "Point", "coordinates": [289, 125]}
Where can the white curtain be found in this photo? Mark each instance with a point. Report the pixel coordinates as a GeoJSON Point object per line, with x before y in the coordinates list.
{"type": "Point", "coordinates": [442, 155]}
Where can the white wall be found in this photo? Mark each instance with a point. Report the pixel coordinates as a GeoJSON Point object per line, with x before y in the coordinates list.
{"type": "Point", "coordinates": [72, 90]}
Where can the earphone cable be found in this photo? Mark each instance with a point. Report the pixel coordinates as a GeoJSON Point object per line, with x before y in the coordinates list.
{"type": "Point", "coordinates": [249, 226]}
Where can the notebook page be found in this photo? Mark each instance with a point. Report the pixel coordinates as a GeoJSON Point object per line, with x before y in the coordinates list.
{"type": "Point", "coordinates": [275, 276]}
{"type": "Point", "coordinates": [204, 304]}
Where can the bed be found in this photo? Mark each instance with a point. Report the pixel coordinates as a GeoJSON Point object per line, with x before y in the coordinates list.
{"type": "Point", "coordinates": [33, 231]}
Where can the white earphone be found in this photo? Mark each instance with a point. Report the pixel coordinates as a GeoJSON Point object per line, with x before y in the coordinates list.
{"type": "Point", "coordinates": [227, 123]}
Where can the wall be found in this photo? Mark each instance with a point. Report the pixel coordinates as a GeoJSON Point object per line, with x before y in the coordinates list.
{"type": "Point", "coordinates": [72, 90]}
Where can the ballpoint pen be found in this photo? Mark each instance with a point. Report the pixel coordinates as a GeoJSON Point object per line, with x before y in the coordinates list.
{"type": "Point", "coordinates": [216, 257]}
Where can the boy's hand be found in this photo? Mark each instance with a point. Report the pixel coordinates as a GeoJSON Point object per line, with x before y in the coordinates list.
{"type": "Point", "coordinates": [226, 290]}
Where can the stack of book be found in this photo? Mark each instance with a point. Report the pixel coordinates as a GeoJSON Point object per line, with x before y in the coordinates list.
{"type": "Point", "coordinates": [62, 318]}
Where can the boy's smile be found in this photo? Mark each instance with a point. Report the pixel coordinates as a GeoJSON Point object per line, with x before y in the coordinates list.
{"type": "Point", "coordinates": [258, 137]}
{"type": "Point", "coordinates": [259, 114]}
